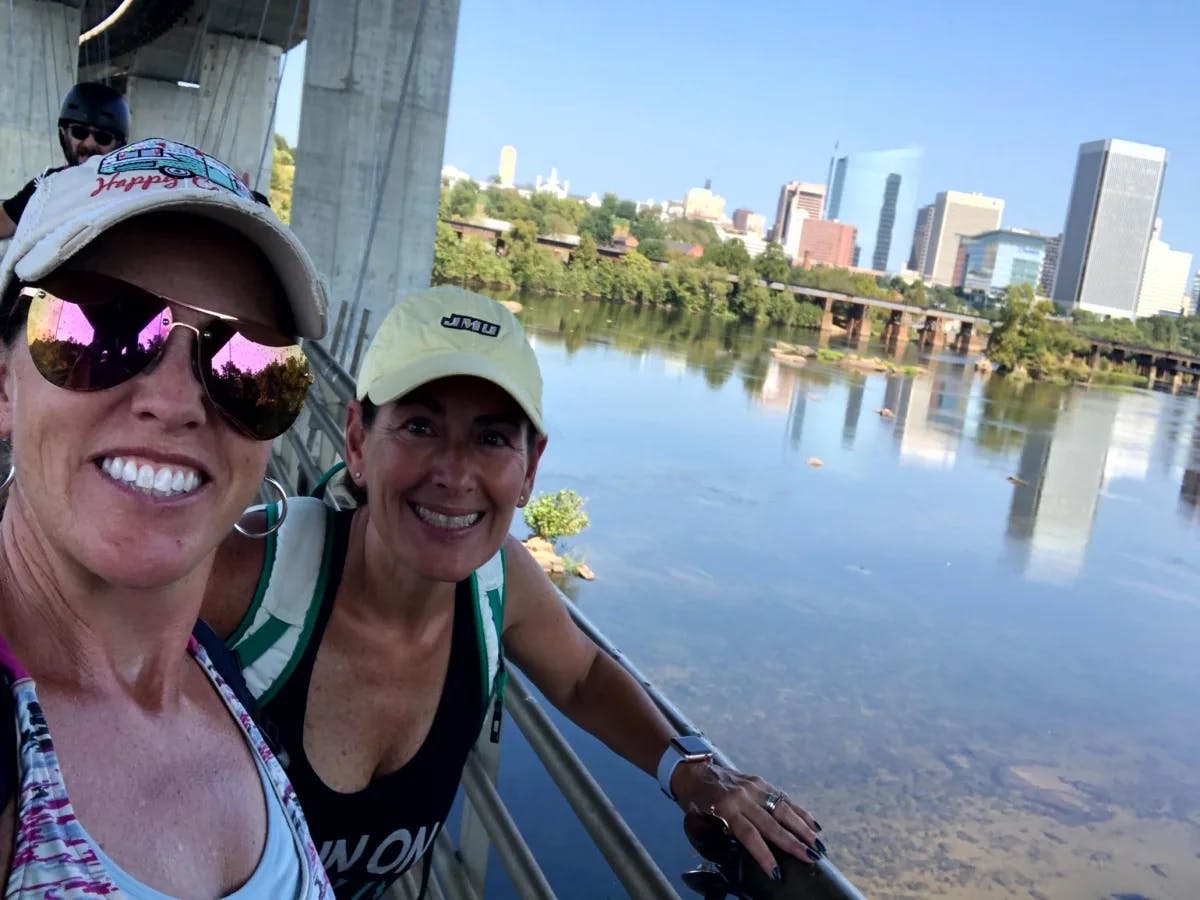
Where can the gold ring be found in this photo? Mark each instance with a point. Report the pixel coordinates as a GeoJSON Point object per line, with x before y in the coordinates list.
{"type": "Point", "coordinates": [712, 811]}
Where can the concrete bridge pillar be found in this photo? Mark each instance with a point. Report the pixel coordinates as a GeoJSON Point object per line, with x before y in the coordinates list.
{"type": "Point", "coordinates": [229, 115]}
{"type": "Point", "coordinates": [39, 55]}
{"type": "Point", "coordinates": [963, 343]}
{"type": "Point", "coordinates": [858, 328]}
{"type": "Point", "coordinates": [827, 316]}
{"type": "Point", "coordinates": [353, 78]}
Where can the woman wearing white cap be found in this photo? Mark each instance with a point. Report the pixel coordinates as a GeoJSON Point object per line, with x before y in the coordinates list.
{"type": "Point", "coordinates": [374, 637]}
{"type": "Point", "coordinates": [149, 316]}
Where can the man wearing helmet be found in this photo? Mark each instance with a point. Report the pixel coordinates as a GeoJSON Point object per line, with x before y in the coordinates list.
{"type": "Point", "coordinates": [94, 119]}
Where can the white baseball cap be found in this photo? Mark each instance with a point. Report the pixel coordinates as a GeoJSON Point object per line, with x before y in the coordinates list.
{"type": "Point", "coordinates": [71, 208]}
{"type": "Point", "coordinates": [444, 331]}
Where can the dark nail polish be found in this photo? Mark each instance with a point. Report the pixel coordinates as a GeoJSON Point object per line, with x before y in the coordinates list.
{"type": "Point", "coordinates": [816, 825]}
{"type": "Point", "coordinates": [812, 854]}
{"type": "Point", "coordinates": [821, 846]}
{"type": "Point", "coordinates": [776, 875]}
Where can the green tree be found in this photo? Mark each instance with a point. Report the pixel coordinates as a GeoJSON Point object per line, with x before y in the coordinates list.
{"type": "Point", "coordinates": [626, 209]}
{"type": "Point", "coordinates": [462, 200]}
{"type": "Point", "coordinates": [554, 516]}
{"type": "Point", "coordinates": [731, 255]}
{"type": "Point", "coordinates": [915, 294]}
{"type": "Point", "coordinates": [772, 264]}
{"type": "Point", "coordinates": [283, 178]}
{"type": "Point", "coordinates": [599, 224]}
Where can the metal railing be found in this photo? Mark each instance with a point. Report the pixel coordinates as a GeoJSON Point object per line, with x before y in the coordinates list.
{"type": "Point", "coordinates": [458, 872]}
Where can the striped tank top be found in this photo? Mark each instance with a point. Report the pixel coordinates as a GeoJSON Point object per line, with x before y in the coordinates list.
{"type": "Point", "coordinates": [53, 856]}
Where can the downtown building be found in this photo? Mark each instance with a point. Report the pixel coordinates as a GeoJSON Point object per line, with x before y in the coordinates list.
{"type": "Point", "coordinates": [921, 234]}
{"type": "Point", "coordinates": [1110, 223]}
{"type": "Point", "coordinates": [1165, 281]}
{"type": "Point", "coordinates": [996, 260]}
{"type": "Point", "coordinates": [877, 193]}
{"type": "Point", "coordinates": [825, 243]}
{"type": "Point", "coordinates": [798, 201]}
{"type": "Point", "coordinates": [1050, 266]}
{"type": "Point", "coordinates": [956, 215]}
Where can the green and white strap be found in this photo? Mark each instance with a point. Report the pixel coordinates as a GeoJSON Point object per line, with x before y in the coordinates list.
{"type": "Point", "coordinates": [277, 627]}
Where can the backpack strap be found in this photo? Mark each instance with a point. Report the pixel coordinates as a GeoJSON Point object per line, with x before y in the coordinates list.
{"type": "Point", "coordinates": [275, 631]}
{"type": "Point", "coordinates": [225, 663]}
{"type": "Point", "coordinates": [487, 585]}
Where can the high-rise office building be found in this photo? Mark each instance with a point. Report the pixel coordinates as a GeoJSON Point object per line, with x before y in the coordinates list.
{"type": "Point", "coordinates": [1195, 294]}
{"type": "Point", "coordinates": [508, 165]}
{"type": "Point", "coordinates": [996, 260]}
{"type": "Point", "coordinates": [921, 233]}
{"type": "Point", "coordinates": [798, 200]}
{"type": "Point", "coordinates": [877, 193]}
{"type": "Point", "coordinates": [748, 221]}
{"type": "Point", "coordinates": [957, 215]}
{"type": "Point", "coordinates": [825, 243]}
{"type": "Point", "coordinates": [1110, 217]}
{"type": "Point", "coordinates": [1049, 266]}
{"type": "Point", "coordinates": [1165, 280]}
{"type": "Point", "coordinates": [702, 203]}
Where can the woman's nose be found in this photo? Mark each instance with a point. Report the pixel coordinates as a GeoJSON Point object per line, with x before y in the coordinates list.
{"type": "Point", "coordinates": [169, 390]}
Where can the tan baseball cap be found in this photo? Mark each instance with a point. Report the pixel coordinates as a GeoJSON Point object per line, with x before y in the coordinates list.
{"type": "Point", "coordinates": [444, 331]}
{"type": "Point", "coordinates": [71, 208]}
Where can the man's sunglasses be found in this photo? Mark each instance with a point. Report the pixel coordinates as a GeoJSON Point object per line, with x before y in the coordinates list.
{"type": "Point", "coordinates": [81, 132]}
{"type": "Point", "coordinates": [111, 331]}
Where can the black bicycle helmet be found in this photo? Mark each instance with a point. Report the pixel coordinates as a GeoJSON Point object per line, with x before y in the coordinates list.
{"type": "Point", "coordinates": [98, 105]}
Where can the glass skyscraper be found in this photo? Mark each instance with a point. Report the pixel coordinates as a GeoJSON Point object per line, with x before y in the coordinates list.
{"type": "Point", "coordinates": [877, 193]}
{"type": "Point", "coordinates": [1110, 220]}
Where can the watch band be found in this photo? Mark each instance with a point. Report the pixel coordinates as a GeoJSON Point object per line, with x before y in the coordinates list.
{"type": "Point", "coordinates": [676, 754]}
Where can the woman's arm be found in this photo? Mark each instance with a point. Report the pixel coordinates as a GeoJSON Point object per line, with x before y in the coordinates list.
{"type": "Point", "coordinates": [597, 694]}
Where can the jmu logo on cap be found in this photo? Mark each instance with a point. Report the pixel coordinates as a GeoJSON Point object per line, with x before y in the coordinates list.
{"type": "Point", "coordinates": [469, 323]}
{"type": "Point", "coordinates": [166, 164]}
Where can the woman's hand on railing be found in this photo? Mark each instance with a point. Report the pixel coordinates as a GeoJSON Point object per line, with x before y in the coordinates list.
{"type": "Point", "coordinates": [754, 811]}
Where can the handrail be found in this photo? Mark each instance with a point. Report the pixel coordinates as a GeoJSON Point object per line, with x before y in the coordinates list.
{"type": "Point", "coordinates": [522, 868]}
{"type": "Point", "coordinates": [628, 859]}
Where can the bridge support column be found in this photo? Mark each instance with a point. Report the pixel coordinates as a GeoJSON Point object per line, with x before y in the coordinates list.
{"type": "Point", "coordinates": [858, 328]}
{"type": "Point", "coordinates": [352, 81]}
{"type": "Point", "coordinates": [827, 317]}
{"type": "Point", "coordinates": [1176, 381]}
{"type": "Point", "coordinates": [39, 55]}
{"type": "Point", "coordinates": [963, 343]}
{"type": "Point", "coordinates": [229, 115]}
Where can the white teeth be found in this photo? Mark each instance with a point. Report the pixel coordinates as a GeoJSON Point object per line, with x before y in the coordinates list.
{"type": "Point", "coordinates": [162, 480]}
{"type": "Point", "coordinates": [157, 480]}
{"type": "Point", "coordinates": [448, 522]}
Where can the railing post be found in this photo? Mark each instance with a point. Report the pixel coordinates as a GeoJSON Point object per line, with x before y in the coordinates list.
{"type": "Point", "coordinates": [473, 841]}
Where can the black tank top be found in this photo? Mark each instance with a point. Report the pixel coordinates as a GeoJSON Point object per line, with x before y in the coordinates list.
{"type": "Point", "coordinates": [369, 838]}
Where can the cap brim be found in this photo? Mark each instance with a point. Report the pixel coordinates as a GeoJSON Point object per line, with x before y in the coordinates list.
{"type": "Point", "coordinates": [287, 256]}
{"type": "Point", "coordinates": [408, 378]}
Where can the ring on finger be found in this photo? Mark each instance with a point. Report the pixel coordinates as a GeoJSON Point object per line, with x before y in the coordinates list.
{"type": "Point", "coordinates": [772, 800]}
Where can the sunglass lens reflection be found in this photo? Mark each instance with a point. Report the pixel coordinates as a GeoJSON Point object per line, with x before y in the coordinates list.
{"type": "Point", "coordinates": [97, 346]}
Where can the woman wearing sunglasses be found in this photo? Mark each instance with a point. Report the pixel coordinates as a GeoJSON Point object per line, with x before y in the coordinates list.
{"type": "Point", "coordinates": [149, 356]}
{"type": "Point", "coordinates": [376, 638]}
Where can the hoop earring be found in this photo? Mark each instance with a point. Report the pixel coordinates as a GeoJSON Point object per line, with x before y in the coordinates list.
{"type": "Point", "coordinates": [283, 507]}
{"type": "Point", "coordinates": [8, 479]}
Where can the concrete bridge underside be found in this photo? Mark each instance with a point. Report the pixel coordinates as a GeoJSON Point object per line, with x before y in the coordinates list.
{"type": "Point", "coordinates": [207, 72]}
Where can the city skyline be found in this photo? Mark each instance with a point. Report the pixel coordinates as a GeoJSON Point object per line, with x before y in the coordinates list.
{"type": "Point", "coordinates": [561, 107]}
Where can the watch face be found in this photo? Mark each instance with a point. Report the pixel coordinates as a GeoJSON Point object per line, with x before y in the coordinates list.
{"type": "Point", "coordinates": [692, 745]}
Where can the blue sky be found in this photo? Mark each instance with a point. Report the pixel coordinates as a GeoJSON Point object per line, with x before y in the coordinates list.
{"type": "Point", "coordinates": [647, 99]}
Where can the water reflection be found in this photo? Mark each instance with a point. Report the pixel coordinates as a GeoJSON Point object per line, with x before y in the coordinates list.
{"type": "Point", "coordinates": [967, 640]}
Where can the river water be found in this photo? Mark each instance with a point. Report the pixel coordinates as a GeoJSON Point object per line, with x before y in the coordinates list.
{"type": "Point", "coordinates": [967, 640]}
